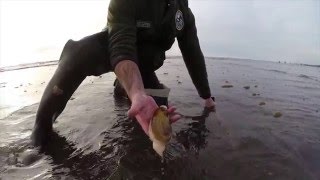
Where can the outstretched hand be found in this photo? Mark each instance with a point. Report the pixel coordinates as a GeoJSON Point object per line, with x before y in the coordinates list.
{"type": "Point", "coordinates": [143, 108]}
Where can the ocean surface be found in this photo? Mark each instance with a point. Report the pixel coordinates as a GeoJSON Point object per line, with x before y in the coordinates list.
{"type": "Point", "coordinates": [266, 126]}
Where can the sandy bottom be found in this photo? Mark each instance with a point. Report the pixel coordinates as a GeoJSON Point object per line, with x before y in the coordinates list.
{"type": "Point", "coordinates": [266, 126]}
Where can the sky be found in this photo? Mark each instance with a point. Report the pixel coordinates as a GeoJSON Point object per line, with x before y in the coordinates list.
{"type": "Point", "coordinates": [273, 30]}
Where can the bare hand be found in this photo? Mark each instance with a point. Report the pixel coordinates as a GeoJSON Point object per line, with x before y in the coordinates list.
{"type": "Point", "coordinates": [143, 108]}
{"type": "Point", "coordinates": [209, 103]}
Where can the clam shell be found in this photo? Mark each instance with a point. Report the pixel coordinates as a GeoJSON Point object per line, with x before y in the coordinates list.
{"type": "Point", "coordinates": [160, 130]}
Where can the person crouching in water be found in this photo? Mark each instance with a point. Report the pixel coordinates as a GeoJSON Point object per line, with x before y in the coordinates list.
{"type": "Point", "coordinates": [133, 46]}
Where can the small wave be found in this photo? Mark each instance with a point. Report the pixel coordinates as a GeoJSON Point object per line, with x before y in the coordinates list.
{"type": "Point", "coordinates": [304, 76]}
{"type": "Point", "coordinates": [308, 77]}
{"type": "Point", "coordinates": [278, 71]}
{"type": "Point", "coordinates": [28, 65]}
{"type": "Point", "coordinates": [305, 87]}
{"type": "Point", "coordinates": [310, 65]}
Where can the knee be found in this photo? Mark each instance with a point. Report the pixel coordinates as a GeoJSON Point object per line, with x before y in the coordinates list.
{"type": "Point", "coordinates": [70, 53]}
{"type": "Point", "coordinates": [67, 49]}
{"type": "Point", "coordinates": [73, 58]}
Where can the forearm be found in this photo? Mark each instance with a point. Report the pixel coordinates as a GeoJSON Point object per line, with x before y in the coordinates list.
{"type": "Point", "coordinates": [193, 57]}
{"type": "Point", "coordinates": [129, 76]}
{"type": "Point", "coordinates": [197, 70]}
{"type": "Point", "coordinates": [195, 64]}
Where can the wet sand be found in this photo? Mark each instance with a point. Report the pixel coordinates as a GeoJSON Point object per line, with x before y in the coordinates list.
{"type": "Point", "coordinates": [246, 138]}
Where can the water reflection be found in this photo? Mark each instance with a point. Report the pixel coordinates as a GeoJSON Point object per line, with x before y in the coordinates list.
{"type": "Point", "coordinates": [126, 152]}
{"type": "Point", "coordinates": [194, 137]}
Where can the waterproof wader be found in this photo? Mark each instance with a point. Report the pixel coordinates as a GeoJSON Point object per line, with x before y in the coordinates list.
{"type": "Point", "coordinates": [79, 59]}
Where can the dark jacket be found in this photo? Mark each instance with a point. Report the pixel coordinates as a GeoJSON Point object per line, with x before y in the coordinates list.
{"type": "Point", "coordinates": [142, 30]}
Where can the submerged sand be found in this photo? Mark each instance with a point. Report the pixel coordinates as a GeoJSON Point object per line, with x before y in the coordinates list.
{"type": "Point", "coordinates": [242, 140]}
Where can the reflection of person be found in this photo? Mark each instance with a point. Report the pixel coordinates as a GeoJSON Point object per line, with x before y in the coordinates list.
{"type": "Point", "coordinates": [195, 135]}
{"type": "Point", "coordinates": [133, 46]}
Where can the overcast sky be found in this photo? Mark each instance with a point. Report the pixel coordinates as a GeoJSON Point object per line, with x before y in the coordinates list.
{"type": "Point", "coordinates": [263, 30]}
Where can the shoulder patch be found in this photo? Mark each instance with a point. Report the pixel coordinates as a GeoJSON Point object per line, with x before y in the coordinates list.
{"type": "Point", "coordinates": [179, 20]}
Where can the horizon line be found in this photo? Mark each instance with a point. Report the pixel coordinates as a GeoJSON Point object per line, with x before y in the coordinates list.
{"type": "Point", "coordinates": [55, 62]}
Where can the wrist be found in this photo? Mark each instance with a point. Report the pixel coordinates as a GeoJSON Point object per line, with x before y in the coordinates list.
{"type": "Point", "coordinates": [137, 94]}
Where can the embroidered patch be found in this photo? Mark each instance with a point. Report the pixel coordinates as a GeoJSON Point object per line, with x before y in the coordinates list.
{"type": "Point", "coordinates": [143, 24]}
{"type": "Point", "coordinates": [179, 20]}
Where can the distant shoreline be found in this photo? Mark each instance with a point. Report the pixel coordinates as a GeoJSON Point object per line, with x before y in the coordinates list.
{"type": "Point", "coordinates": [55, 62]}
{"type": "Point", "coordinates": [28, 65]}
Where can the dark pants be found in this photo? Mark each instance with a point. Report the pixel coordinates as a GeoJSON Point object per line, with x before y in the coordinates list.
{"type": "Point", "coordinates": [79, 59]}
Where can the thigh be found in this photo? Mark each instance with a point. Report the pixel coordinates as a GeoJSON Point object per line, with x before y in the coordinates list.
{"type": "Point", "coordinates": [88, 55]}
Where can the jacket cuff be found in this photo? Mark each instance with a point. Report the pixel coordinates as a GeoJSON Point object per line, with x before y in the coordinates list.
{"type": "Point", "coordinates": [206, 95]}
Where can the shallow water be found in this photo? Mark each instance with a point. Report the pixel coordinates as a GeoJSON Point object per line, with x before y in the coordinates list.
{"type": "Point", "coordinates": [94, 138]}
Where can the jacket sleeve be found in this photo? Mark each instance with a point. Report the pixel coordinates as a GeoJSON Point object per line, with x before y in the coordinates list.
{"type": "Point", "coordinates": [122, 31]}
{"type": "Point", "coordinates": [193, 57]}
